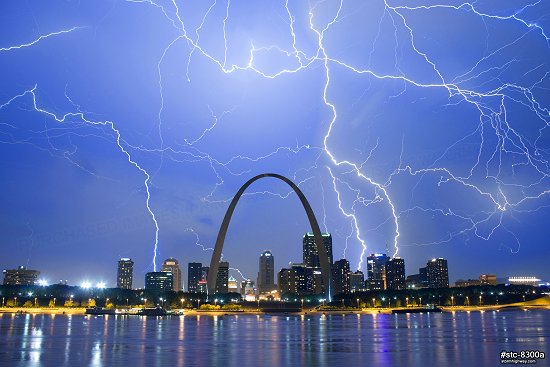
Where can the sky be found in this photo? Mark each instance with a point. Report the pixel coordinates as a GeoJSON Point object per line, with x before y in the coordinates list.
{"type": "Point", "coordinates": [417, 128]}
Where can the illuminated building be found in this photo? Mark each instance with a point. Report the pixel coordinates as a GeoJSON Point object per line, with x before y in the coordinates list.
{"type": "Point", "coordinates": [202, 286]}
{"type": "Point", "coordinates": [248, 288]}
{"type": "Point", "coordinates": [286, 281]}
{"type": "Point", "coordinates": [125, 273]}
{"type": "Point", "coordinates": [522, 281]}
{"type": "Point", "coordinates": [357, 281]}
{"type": "Point", "coordinates": [171, 265]}
{"type": "Point", "coordinates": [376, 271]}
{"type": "Point", "coordinates": [438, 273]}
{"type": "Point", "coordinates": [341, 276]}
{"type": "Point", "coordinates": [223, 277]}
{"type": "Point", "coordinates": [395, 274]}
{"type": "Point", "coordinates": [304, 279]}
{"type": "Point", "coordinates": [232, 285]}
{"type": "Point", "coordinates": [488, 279]}
{"type": "Point", "coordinates": [21, 276]}
{"type": "Point", "coordinates": [310, 254]}
{"type": "Point", "coordinates": [194, 275]}
{"type": "Point", "coordinates": [161, 281]}
{"type": "Point", "coordinates": [266, 273]}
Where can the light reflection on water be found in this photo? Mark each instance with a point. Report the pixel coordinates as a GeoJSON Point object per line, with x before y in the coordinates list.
{"type": "Point", "coordinates": [474, 339]}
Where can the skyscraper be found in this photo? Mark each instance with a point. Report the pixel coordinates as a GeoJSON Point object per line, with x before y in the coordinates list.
{"type": "Point", "coordinates": [160, 281]}
{"type": "Point", "coordinates": [266, 274]}
{"type": "Point", "coordinates": [395, 274]}
{"type": "Point", "coordinates": [286, 282]}
{"type": "Point", "coordinates": [21, 276]}
{"type": "Point", "coordinates": [341, 276]}
{"type": "Point", "coordinates": [357, 281]}
{"type": "Point", "coordinates": [376, 271]}
{"type": "Point", "coordinates": [223, 277]}
{"type": "Point", "coordinates": [438, 273]}
{"type": "Point", "coordinates": [171, 265]}
{"type": "Point", "coordinates": [194, 275]}
{"type": "Point", "coordinates": [303, 279]}
{"type": "Point", "coordinates": [310, 254]}
{"type": "Point", "coordinates": [125, 273]}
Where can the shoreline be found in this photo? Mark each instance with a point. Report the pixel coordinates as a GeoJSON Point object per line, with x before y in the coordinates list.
{"type": "Point", "coordinates": [366, 311]}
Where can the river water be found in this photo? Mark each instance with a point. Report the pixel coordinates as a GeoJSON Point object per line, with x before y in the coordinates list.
{"type": "Point", "coordinates": [444, 339]}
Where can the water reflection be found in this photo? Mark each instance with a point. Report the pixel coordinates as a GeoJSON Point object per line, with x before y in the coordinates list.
{"type": "Point", "coordinates": [321, 340]}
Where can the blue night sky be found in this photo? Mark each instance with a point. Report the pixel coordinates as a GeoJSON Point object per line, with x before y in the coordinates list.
{"type": "Point", "coordinates": [413, 125]}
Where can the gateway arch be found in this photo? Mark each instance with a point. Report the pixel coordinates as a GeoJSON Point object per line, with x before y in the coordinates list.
{"type": "Point", "coordinates": [323, 257]}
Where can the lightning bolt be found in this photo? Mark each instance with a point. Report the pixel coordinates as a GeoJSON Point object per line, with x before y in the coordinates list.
{"type": "Point", "coordinates": [485, 178]}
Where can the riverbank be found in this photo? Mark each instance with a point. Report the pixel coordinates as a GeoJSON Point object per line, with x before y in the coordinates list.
{"type": "Point", "coordinates": [189, 312]}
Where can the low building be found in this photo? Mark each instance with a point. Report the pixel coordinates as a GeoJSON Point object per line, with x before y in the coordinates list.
{"type": "Point", "coordinates": [488, 279]}
{"type": "Point", "coordinates": [21, 276]}
{"type": "Point", "coordinates": [160, 281]}
{"type": "Point", "coordinates": [460, 283]}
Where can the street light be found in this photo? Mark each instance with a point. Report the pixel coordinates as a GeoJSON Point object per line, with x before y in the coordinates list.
{"type": "Point", "coordinates": [182, 300]}
{"type": "Point", "coordinates": [35, 303]}
{"type": "Point", "coordinates": [407, 301]}
{"type": "Point", "coordinates": [54, 299]}
{"type": "Point", "coordinates": [357, 302]}
{"type": "Point", "coordinates": [420, 301]}
{"type": "Point", "coordinates": [452, 301]}
{"type": "Point", "coordinates": [15, 301]}
{"type": "Point", "coordinates": [383, 299]}
{"type": "Point", "coordinates": [480, 299]}
{"type": "Point", "coordinates": [468, 300]}
{"type": "Point", "coordinates": [303, 303]}
{"type": "Point", "coordinates": [373, 303]}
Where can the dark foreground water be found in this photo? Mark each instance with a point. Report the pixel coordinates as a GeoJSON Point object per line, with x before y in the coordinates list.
{"type": "Point", "coordinates": [460, 339]}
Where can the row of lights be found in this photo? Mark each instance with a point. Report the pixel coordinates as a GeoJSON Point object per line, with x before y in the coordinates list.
{"type": "Point", "coordinates": [85, 285]}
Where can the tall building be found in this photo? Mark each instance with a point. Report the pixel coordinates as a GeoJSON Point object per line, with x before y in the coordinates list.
{"type": "Point", "coordinates": [438, 273]}
{"type": "Point", "coordinates": [304, 279]}
{"type": "Point", "coordinates": [223, 277]}
{"type": "Point", "coordinates": [310, 254]}
{"type": "Point", "coordinates": [376, 271]}
{"type": "Point", "coordinates": [21, 276]}
{"type": "Point", "coordinates": [266, 273]}
{"type": "Point", "coordinates": [125, 273]}
{"type": "Point", "coordinates": [286, 282]}
{"type": "Point", "coordinates": [423, 276]}
{"type": "Point", "coordinates": [160, 281]}
{"type": "Point", "coordinates": [171, 265]}
{"type": "Point", "coordinates": [395, 274]}
{"type": "Point", "coordinates": [357, 281]}
{"type": "Point", "coordinates": [341, 276]}
{"type": "Point", "coordinates": [194, 275]}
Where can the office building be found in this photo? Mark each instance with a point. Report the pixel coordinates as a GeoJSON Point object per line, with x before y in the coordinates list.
{"type": "Point", "coordinates": [304, 279]}
{"type": "Point", "coordinates": [376, 271]}
{"type": "Point", "coordinates": [310, 254]}
{"type": "Point", "coordinates": [266, 273]}
{"type": "Point", "coordinates": [488, 279]}
{"type": "Point", "coordinates": [395, 274]}
{"type": "Point", "coordinates": [202, 286]}
{"type": "Point", "coordinates": [125, 273]}
{"type": "Point", "coordinates": [341, 276]}
{"type": "Point", "coordinates": [171, 265]}
{"type": "Point", "coordinates": [357, 281]}
{"type": "Point", "coordinates": [423, 277]}
{"type": "Point", "coordinates": [286, 281]}
{"type": "Point", "coordinates": [21, 276]}
{"type": "Point", "coordinates": [438, 273]}
{"type": "Point", "coordinates": [467, 283]}
{"type": "Point", "coordinates": [194, 275]}
{"type": "Point", "coordinates": [223, 277]}
{"type": "Point", "coordinates": [160, 281]}
{"type": "Point", "coordinates": [232, 285]}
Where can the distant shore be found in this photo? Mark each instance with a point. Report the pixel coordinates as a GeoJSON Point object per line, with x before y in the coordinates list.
{"type": "Point", "coordinates": [194, 312]}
